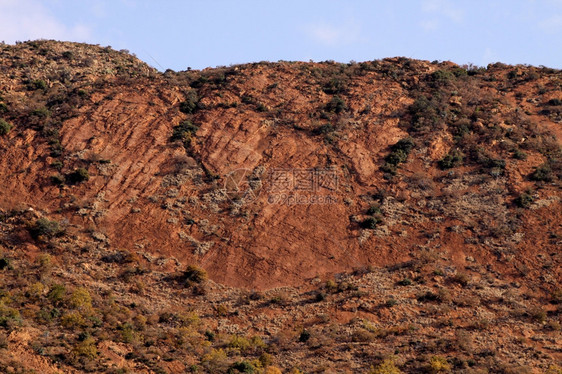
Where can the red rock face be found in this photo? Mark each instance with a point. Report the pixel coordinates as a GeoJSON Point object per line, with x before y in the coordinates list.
{"type": "Point", "coordinates": [148, 194]}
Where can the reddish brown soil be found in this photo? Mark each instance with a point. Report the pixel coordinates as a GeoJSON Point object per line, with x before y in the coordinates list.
{"type": "Point", "coordinates": [272, 244]}
{"type": "Point", "coordinates": [164, 201]}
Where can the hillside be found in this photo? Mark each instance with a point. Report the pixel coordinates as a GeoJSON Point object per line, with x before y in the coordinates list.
{"type": "Point", "coordinates": [396, 212]}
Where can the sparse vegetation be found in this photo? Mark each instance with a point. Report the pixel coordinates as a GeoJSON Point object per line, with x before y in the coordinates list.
{"type": "Point", "coordinates": [467, 272]}
{"type": "Point", "coordinates": [5, 127]}
{"type": "Point", "coordinates": [451, 160]}
{"type": "Point", "coordinates": [438, 364]}
{"type": "Point", "coordinates": [78, 176]}
{"type": "Point", "coordinates": [57, 179]}
{"type": "Point", "coordinates": [386, 367]}
{"type": "Point", "coordinates": [191, 103]}
{"type": "Point", "coordinates": [399, 154]}
{"type": "Point", "coordinates": [369, 223]}
{"type": "Point", "coordinates": [37, 84]}
{"type": "Point", "coordinates": [425, 113]}
{"type": "Point", "coordinates": [542, 173]}
{"type": "Point", "coordinates": [184, 132]}
{"type": "Point", "coordinates": [44, 228]}
{"type": "Point", "coordinates": [374, 210]}
{"type": "Point", "coordinates": [40, 113]}
{"type": "Point", "coordinates": [405, 282]}
{"type": "Point", "coordinates": [194, 275]}
{"type": "Point", "coordinates": [524, 200]}
{"type": "Point", "coordinates": [442, 77]}
{"type": "Point", "coordinates": [336, 105]}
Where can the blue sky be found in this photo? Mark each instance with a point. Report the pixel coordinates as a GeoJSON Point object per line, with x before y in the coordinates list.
{"type": "Point", "coordinates": [178, 34]}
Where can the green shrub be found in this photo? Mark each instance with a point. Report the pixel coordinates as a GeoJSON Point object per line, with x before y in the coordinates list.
{"type": "Point", "coordinates": [385, 367]}
{"type": "Point", "coordinates": [56, 147]}
{"type": "Point", "coordinates": [210, 335]}
{"type": "Point", "coordinates": [405, 282]}
{"type": "Point", "coordinates": [304, 336]}
{"type": "Point", "coordinates": [389, 170]}
{"type": "Point", "coordinates": [5, 127]}
{"type": "Point", "coordinates": [425, 113]}
{"type": "Point", "coordinates": [369, 223]}
{"type": "Point", "coordinates": [241, 367]}
{"type": "Point", "coordinates": [397, 157]}
{"type": "Point", "coordinates": [539, 315]}
{"type": "Point", "coordinates": [374, 210]}
{"type": "Point", "coordinates": [336, 105]}
{"type": "Point", "coordinates": [406, 145]}
{"type": "Point", "coordinates": [320, 296]}
{"type": "Point", "coordinates": [248, 99]}
{"type": "Point", "coordinates": [495, 163]}
{"type": "Point", "coordinates": [438, 364]}
{"type": "Point", "coordinates": [524, 200]}
{"type": "Point", "coordinates": [184, 132]}
{"type": "Point", "coordinates": [57, 179]}
{"type": "Point", "coordinates": [215, 361]}
{"type": "Point", "coordinates": [324, 129]}
{"type": "Point", "coordinates": [542, 173]}
{"type": "Point", "coordinates": [57, 164]}
{"type": "Point", "coordinates": [459, 72]}
{"type": "Point", "coordinates": [44, 228]}
{"type": "Point", "coordinates": [461, 128]}
{"type": "Point", "coordinates": [428, 296]}
{"type": "Point", "coordinates": [80, 298]}
{"type": "Point", "coordinates": [495, 166]}
{"type": "Point", "coordinates": [40, 112]}
{"type": "Point", "coordinates": [442, 77]}
{"type": "Point", "coordinates": [3, 108]}
{"type": "Point", "coordinates": [199, 82]}
{"type": "Point", "coordinates": [72, 320]}
{"type": "Point", "coordinates": [77, 176]}
{"type": "Point", "coordinates": [362, 335]}
{"type": "Point", "coordinates": [191, 103]}
{"type": "Point", "coordinates": [399, 154]}
{"type": "Point", "coordinates": [57, 293]}
{"type": "Point", "coordinates": [554, 102]}
{"type": "Point", "coordinates": [239, 342]}
{"type": "Point", "coordinates": [391, 302]}
{"type": "Point", "coordinates": [519, 155]}
{"type": "Point", "coordinates": [512, 74]}
{"type": "Point", "coordinates": [9, 316]}
{"type": "Point", "coordinates": [335, 86]}
{"type": "Point", "coordinates": [451, 160]}
{"type": "Point", "coordinates": [3, 341]}
{"type": "Point", "coordinates": [38, 84]}
{"type": "Point", "coordinates": [86, 348]}
{"type": "Point", "coordinates": [556, 296]}
{"type": "Point", "coordinates": [194, 274]}
{"type": "Point", "coordinates": [461, 278]}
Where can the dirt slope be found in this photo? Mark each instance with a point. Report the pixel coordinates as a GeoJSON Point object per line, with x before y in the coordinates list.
{"type": "Point", "coordinates": [147, 192]}
{"type": "Point", "coordinates": [394, 212]}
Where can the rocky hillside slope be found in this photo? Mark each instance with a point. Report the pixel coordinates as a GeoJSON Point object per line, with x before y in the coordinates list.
{"type": "Point", "coordinates": [394, 212]}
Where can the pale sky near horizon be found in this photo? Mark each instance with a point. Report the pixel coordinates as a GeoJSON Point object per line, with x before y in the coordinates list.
{"type": "Point", "coordinates": [178, 34]}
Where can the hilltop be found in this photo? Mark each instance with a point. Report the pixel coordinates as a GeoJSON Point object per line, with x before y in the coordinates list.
{"type": "Point", "coordinates": [394, 212]}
